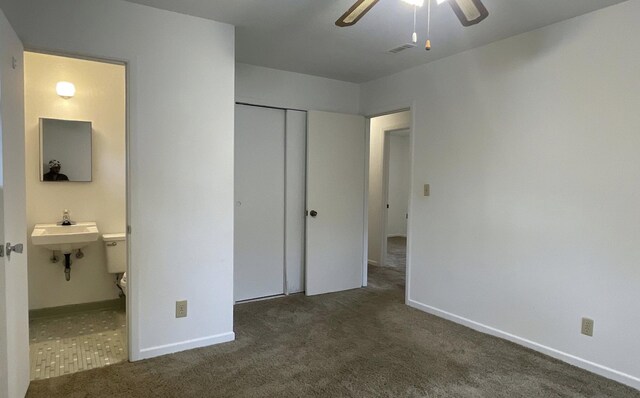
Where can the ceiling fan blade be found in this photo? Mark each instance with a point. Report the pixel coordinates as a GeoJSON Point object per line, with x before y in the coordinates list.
{"type": "Point", "coordinates": [356, 12]}
{"type": "Point", "coordinates": [469, 12]}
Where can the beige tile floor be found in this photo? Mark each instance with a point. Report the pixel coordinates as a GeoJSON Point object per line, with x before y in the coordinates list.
{"type": "Point", "coordinates": [76, 342]}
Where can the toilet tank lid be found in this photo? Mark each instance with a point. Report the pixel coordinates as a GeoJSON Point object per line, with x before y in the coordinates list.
{"type": "Point", "coordinates": [114, 237]}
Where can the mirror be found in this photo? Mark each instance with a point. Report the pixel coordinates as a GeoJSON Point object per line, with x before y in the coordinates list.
{"type": "Point", "coordinates": [65, 150]}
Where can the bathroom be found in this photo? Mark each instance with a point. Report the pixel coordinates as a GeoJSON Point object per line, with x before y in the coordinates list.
{"type": "Point", "coordinates": [76, 171]}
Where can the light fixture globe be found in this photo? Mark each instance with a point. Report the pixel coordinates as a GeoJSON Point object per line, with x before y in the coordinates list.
{"type": "Point", "coordinates": [417, 3]}
{"type": "Point", "coordinates": [66, 90]}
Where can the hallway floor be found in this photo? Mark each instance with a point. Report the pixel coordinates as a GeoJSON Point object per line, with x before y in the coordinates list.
{"type": "Point", "coordinates": [397, 252]}
{"type": "Point", "coordinates": [71, 343]}
{"type": "Point", "coordinates": [358, 343]}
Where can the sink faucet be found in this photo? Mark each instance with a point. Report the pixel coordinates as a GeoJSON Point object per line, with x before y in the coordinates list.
{"type": "Point", "coordinates": [66, 219]}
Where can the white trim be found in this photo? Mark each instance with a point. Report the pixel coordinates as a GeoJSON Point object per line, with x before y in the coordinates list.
{"type": "Point", "coordinates": [285, 276]}
{"type": "Point", "coordinates": [408, 251]}
{"type": "Point", "coordinates": [270, 103]}
{"type": "Point", "coordinates": [384, 204]}
{"type": "Point", "coordinates": [372, 262]}
{"type": "Point", "coordinates": [396, 236]}
{"type": "Point", "coordinates": [254, 300]}
{"type": "Point", "coordinates": [593, 367]}
{"type": "Point", "coordinates": [133, 302]}
{"type": "Point", "coordinates": [186, 345]}
{"type": "Point", "coordinates": [365, 226]}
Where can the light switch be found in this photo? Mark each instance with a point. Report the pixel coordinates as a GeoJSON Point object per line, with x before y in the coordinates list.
{"type": "Point", "coordinates": [427, 190]}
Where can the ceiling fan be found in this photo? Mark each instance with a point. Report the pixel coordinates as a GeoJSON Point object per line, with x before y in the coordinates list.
{"type": "Point", "coordinates": [469, 12]}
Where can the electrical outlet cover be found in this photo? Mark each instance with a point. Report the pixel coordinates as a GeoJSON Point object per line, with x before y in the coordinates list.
{"type": "Point", "coordinates": [181, 309]}
{"type": "Point", "coordinates": [587, 326]}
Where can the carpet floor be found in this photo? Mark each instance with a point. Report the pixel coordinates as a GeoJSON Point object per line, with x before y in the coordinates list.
{"type": "Point", "coordinates": [359, 343]}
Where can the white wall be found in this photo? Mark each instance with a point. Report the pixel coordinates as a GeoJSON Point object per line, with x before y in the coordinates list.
{"type": "Point", "coordinates": [377, 203]}
{"type": "Point", "coordinates": [398, 193]}
{"type": "Point", "coordinates": [531, 146]}
{"type": "Point", "coordinates": [264, 86]}
{"type": "Point", "coordinates": [100, 98]}
{"type": "Point", "coordinates": [181, 96]}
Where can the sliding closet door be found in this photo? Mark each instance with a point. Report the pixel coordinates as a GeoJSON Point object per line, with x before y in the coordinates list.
{"type": "Point", "coordinates": [259, 202]}
{"type": "Point", "coordinates": [296, 188]}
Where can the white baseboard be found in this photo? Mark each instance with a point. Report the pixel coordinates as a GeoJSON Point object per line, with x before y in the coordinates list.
{"type": "Point", "coordinates": [598, 369]}
{"type": "Point", "coordinates": [372, 262]}
{"type": "Point", "coordinates": [152, 352]}
{"type": "Point", "coordinates": [397, 236]}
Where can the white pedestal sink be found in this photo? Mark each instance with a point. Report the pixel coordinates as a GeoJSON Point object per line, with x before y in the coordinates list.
{"type": "Point", "coordinates": [65, 238]}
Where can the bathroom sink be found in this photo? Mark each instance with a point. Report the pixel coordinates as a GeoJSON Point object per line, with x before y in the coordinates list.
{"type": "Point", "coordinates": [65, 238]}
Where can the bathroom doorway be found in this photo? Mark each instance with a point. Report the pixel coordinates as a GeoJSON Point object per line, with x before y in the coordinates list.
{"type": "Point", "coordinates": [76, 178]}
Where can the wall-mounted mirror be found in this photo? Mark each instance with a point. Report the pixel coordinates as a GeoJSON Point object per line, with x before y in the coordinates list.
{"type": "Point", "coordinates": [65, 150]}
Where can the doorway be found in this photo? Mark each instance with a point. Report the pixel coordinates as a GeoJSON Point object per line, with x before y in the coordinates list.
{"type": "Point", "coordinates": [397, 187]}
{"type": "Point", "coordinates": [389, 191]}
{"type": "Point", "coordinates": [76, 177]}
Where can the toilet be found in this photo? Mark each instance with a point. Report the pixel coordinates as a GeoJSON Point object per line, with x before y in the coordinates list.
{"type": "Point", "coordinates": [116, 248]}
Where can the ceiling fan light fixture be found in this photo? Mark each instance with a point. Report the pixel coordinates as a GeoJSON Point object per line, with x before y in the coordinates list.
{"type": "Point", "coordinates": [417, 3]}
{"type": "Point", "coordinates": [469, 9]}
{"type": "Point", "coordinates": [356, 12]}
{"type": "Point", "coordinates": [469, 12]}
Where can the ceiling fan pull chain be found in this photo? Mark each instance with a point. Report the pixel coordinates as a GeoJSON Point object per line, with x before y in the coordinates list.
{"type": "Point", "coordinates": [414, 37]}
{"type": "Point", "coordinates": [427, 45]}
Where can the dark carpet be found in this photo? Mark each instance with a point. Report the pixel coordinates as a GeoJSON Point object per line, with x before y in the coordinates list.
{"type": "Point", "coordinates": [360, 343]}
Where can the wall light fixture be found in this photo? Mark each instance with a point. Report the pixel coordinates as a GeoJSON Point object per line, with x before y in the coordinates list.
{"type": "Point", "coordinates": [66, 90]}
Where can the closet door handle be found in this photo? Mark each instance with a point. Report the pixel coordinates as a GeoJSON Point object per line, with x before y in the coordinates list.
{"type": "Point", "coordinates": [313, 213]}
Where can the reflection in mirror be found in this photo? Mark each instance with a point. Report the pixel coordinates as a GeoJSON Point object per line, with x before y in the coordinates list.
{"type": "Point", "coordinates": [65, 150]}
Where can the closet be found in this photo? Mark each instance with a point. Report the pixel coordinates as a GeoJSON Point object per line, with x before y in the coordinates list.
{"type": "Point", "coordinates": [270, 164]}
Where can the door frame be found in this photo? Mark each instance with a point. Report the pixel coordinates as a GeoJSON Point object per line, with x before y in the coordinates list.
{"type": "Point", "coordinates": [132, 303]}
{"type": "Point", "coordinates": [384, 111]}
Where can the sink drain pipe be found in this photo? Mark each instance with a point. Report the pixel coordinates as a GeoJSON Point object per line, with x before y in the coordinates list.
{"type": "Point", "coordinates": [67, 266]}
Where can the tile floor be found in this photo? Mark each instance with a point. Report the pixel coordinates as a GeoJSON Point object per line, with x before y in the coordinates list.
{"type": "Point", "coordinates": [75, 342]}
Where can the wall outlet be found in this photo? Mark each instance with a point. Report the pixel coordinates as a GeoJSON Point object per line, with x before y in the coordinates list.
{"type": "Point", "coordinates": [587, 326]}
{"type": "Point", "coordinates": [427, 190]}
{"type": "Point", "coordinates": [181, 309]}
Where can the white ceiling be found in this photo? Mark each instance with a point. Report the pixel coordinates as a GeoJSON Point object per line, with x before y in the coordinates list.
{"type": "Point", "coordinates": [300, 35]}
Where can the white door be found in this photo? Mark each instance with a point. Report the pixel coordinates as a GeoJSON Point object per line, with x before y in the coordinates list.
{"type": "Point", "coordinates": [14, 319]}
{"type": "Point", "coordinates": [260, 202]}
{"type": "Point", "coordinates": [336, 160]}
{"type": "Point", "coordinates": [296, 171]}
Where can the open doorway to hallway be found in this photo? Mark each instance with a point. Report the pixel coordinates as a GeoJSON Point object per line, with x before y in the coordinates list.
{"type": "Point", "coordinates": [389, 188]}
{"type": "Point", "coordinates": [396, 166]}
